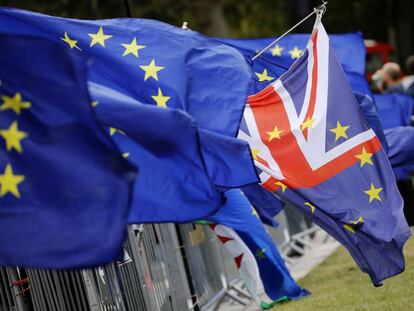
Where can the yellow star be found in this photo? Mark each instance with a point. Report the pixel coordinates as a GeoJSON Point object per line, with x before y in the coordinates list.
{"type": "Point", "coordinates": [160, 99]}
{"type": "Point", "coordinates": [295, 52]}
{"type": "Point", "coordinates": [351, 227]}
{"type": "Point", "coordinates": [275, 133]}
{"type": "Point", "coordinates": [151, 70]}
{"type": "Point", "coordinates": [260, 253]}
{"type": "Point", "coordinates": [70, 42]}
{"type": "Point", "coordinates": [14, 103]}
{"type": "Point", "coordinates": [113, 130]}
{"type": "Point", "coordinates": [9, 182]}
{"type": "Point", "coordinates": [365, 157]}
{"type": "Point", "coordinates": [13, 137]}
{"type": "Point", "coordinates": [373, 193]}
{"type": "Point", "coordinates": [307, 124]}
{"type": "Point", "coordinates": [254, 212]}
{"type": "Point", "coordinates": [264, 76]}
{"type": "Point", "coordinates": [281, 185]}
{"type": "Point", "coordinates": [255, 152]}
{"type": "Point", "coordinates": [99, 37]}
{"type": "Point", "coordinates": [312, 207]}
{"type": "Point", "coordinates": [360, 220]}
{"type": "Point", "coordinates": [132, 48]}
{"type": "Point", "coordinates": [94, 103]}
{"type": "Point", "coordinates": [277, 50]}
{"type": "Point", "coordinates": [339, 131]}
{"type": "Point", "coordinates": [125, 155]}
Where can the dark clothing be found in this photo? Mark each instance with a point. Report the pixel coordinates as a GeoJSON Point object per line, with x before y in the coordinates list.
{"type": "Point", "coordinates": [398, 88]}
{"type": "Point", "coordinates": [410, 89]}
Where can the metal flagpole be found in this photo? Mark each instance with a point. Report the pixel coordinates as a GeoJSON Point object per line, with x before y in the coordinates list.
{"type": "Point", "coordinates": [321, 8]}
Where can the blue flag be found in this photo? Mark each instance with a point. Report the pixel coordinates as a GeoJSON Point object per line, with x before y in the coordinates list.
{"type": "Point", "coordinates": [187, 159]}
{"type": "Point", "coordinates": [370, 112]}
{"type": "Point", "coordinates": [276, 61]}
{"type": "Point", "coordinates": [152, 62]}
{"type": "Point", "coordinates": [401, 142]}
{"type": "Point", "coordinates": [64, 187]}
{"type": "Point", "coordinates": [175, 158]}
{"type": "Point", "coordinates": [239, 215]}
{"type": "Point", "coordinates": [313, 148]}
{"type": "Point", "coordinates": [394, 109]}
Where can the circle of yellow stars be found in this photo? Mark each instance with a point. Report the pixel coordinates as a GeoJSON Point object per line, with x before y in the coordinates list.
{"type": "Point", "coordinates": [12, 136]}
{"type": "Point", "coordinates": [132, 48]}
{"type": "Point", "coordinates": [99, 39]}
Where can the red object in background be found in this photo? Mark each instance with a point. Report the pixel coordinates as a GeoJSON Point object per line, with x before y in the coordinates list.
{"type": "Point", "coordinates": [378, 53]}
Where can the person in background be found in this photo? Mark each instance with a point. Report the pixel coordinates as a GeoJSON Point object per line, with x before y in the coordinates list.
{"type": "Point", "coordinates": [408, 81]}
{"type": "Point", "coordinates": [391, 78]}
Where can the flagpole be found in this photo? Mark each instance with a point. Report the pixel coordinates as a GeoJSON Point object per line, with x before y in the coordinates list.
{"type": "Point", "coordinates": [266, 170]}
{"type": "Point", "coordinates": [320, 9]}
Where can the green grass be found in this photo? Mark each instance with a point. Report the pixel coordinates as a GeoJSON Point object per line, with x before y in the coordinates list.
{"type": "Point", "coordinates": [338, 284]}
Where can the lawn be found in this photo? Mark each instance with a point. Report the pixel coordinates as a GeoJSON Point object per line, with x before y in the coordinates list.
{"type": "Point", "coordinates": [338, 284]}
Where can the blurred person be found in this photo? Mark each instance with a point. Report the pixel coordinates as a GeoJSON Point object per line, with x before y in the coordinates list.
{"type": "Point", "coordinates": [391, 74]}
{"type": "Point", "coordinates": [408, 81]}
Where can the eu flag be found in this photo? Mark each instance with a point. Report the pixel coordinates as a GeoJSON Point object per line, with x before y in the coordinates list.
{"type": "Point", "coordinates": [278, 59]}
{"type": "Point", "coordinates": [184, 157]}
{"type": "Point", "coordinates": [314, 148]}
{"type": "Point", "coordinates": [64, 188]}
{"type": "Point", "coordinates": [152, 62]}
{"type": "Point", "coordinates": [174, 183]}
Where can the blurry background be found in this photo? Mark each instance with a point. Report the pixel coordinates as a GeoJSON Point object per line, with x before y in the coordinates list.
{"type": "Point", "coordinates": [387, 21]}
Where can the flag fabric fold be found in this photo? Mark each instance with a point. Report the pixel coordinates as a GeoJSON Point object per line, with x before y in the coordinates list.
{"type": "Point", "coordinates": [313, 148]}
{"type": "Point", "coordinates": [64, 188]}
{"type": "Point", "coordinates": [228, 160]}
{"type": "Point", "coordinates": [401, 142]}
{"type": "Point", "coordinates": [174, 184]}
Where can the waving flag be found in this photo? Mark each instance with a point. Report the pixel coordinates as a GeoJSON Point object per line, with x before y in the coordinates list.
{"type": "Point", "coordinates": [401, 141]}
{"type": "Point", "coordinates": [196, 152]}
{"type": "Point", "coordinates": [239, 228]}
{"type": "Point", "coordinates": [64, 187]}
{"type": "Point", "coordinates": [277, 60]}
{"type": "Point", "coordinates": [394, 109]}
{"type": "Point", "coordinates": [313, 148]}
{"type": "Point", "coordinates": [178, 162]}
{"type": "Point", "coordinates": [152, 62]}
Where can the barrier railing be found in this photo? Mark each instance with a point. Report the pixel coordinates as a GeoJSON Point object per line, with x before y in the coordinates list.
{"type": "Point", "coordinates": [165, 267]}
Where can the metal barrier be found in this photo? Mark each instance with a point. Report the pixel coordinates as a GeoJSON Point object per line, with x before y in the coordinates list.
{"type": "Point", "coordinates": [165, 267]}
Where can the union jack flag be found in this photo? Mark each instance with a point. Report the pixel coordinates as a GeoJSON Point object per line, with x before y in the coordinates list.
{"type": "Point", "coordinates": [312, 147]}
{"type": "Point", "coordinates": [287, 124]}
